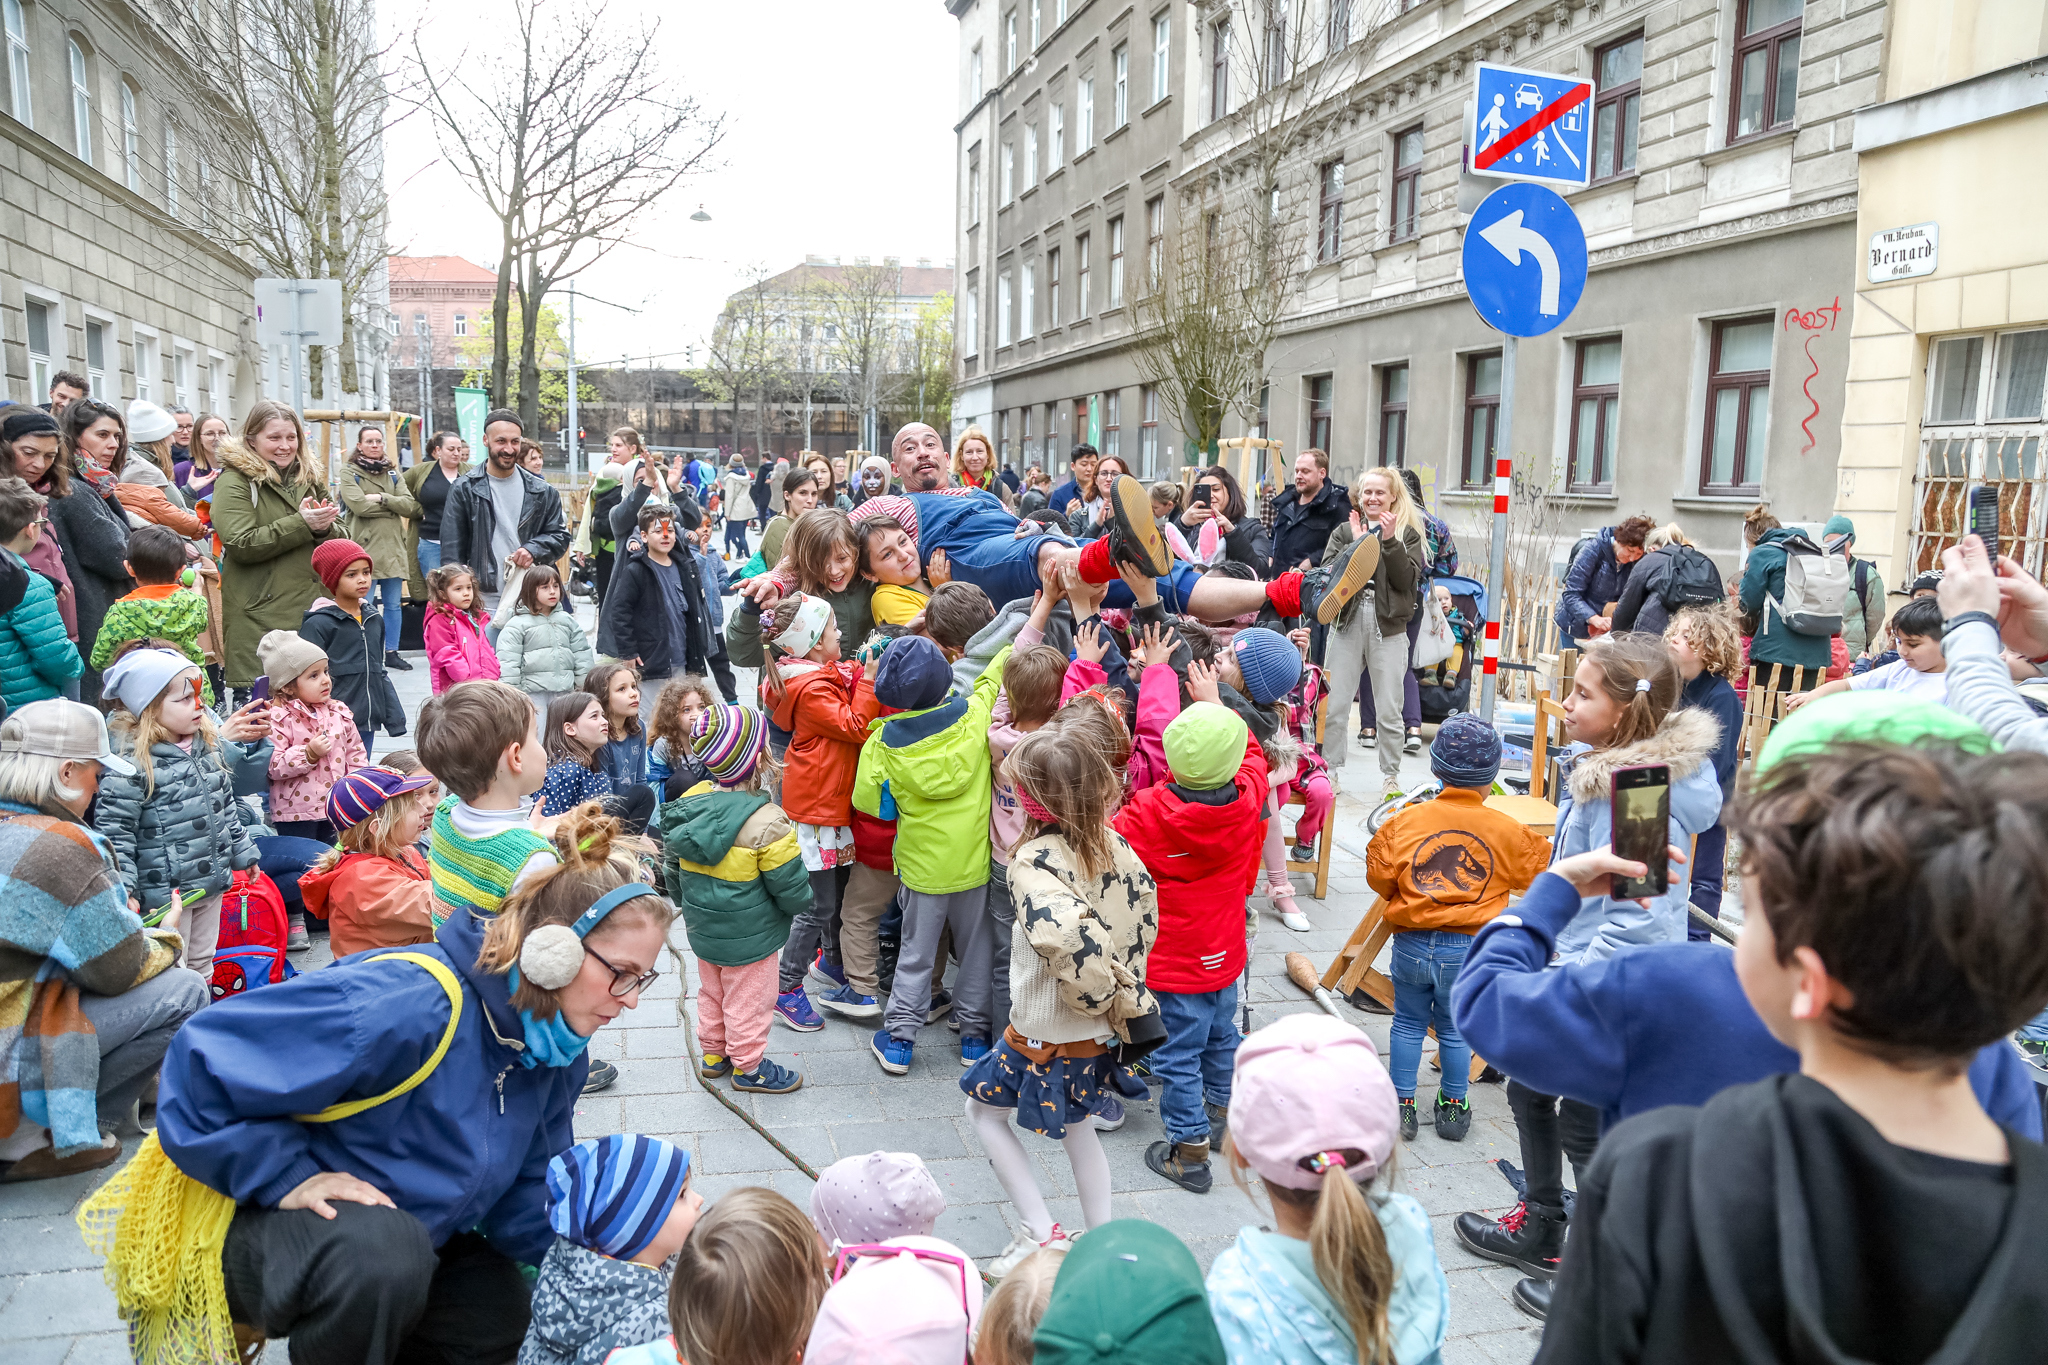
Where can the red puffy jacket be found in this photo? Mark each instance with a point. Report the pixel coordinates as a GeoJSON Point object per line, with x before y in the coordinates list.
{"type": "Point", "coordinates": [828, 709]}
{"type": "Point", "coordinates": [1205, 861]}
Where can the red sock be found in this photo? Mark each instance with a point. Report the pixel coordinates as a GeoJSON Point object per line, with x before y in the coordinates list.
{"type": "Point", "coordinates": [1096, 565]}
{"type": "Point", "coordinates": [1284, 593]}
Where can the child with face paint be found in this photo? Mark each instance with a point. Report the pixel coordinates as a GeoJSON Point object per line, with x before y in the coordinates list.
{"type": "Point", "coordinates": [654, 615]}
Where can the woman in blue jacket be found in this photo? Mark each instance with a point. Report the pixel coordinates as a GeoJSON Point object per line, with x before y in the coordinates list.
{"type": "Point", "coordinates": [404, 1220]}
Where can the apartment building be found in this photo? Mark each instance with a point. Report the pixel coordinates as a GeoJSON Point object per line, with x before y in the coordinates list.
{"type": "Point", "coordinates": [1701, 372]}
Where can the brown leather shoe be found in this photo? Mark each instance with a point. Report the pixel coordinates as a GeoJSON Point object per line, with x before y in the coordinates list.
{"type": "Point", "coordinates": [45, 1164]}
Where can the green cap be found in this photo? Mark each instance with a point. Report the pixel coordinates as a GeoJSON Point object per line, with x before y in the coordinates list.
{"type": "Point", "coordinates": [1870, 718]}
{"type": "Point", "coordinates": [1128, 1294]}
{"type": "Point", "coordinates": [1838, 525]}
{"type": "Point", "coordinates": [1205, 745]}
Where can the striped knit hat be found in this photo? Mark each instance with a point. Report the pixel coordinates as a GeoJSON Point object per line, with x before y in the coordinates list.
{"type": "Point", "coordinates": [727, 741]}
{"type": "Point", "coordinates": [612, 1194]}
{"type": "Point", "coordinates": [362, 793]}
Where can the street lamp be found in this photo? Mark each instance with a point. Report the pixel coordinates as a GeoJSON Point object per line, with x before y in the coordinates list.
{"type": "Point", "coordinates": [700, 216]}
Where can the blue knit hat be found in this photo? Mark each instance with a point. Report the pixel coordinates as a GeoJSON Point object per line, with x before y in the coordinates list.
{"type": "Point", "coordinates": [1465, 752]}
{"type": "Point", "coordinates": [612, 1194]}
{"type": "Point", "coordinates": [913, 674]}
{"type": "Point", "coordinates": [1269, 661]}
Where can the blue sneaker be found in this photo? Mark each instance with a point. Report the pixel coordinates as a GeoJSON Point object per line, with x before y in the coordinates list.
{"type": "Point", "coordinates": [768, 1079]}
{"type": "Point", "coordinates": [893, 1055]}
{"type": "Point", "coordinates": [714, 1066]}
{"type": "Point", "coordinates": [972, 1050]}
{"type": "Point", "coordinates": [825, 974]}
{"type": "Point", "coordinates": [848, 1003]}
{"type": "Point", "coordinates": [794, 1009]}
{"type": "Point", "coordinates": [1108, 1113]}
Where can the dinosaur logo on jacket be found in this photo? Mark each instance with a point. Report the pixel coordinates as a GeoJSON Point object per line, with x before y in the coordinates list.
{"type": "Point", "coordinates": [1452, 867]}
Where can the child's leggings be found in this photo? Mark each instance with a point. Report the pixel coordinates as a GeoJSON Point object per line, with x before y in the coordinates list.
{"type": "Point", "coordinates": [735, 1006]}
{"type": "Point", "coordinates": [868, 895]}
{"type": "Point", "coordinates": [1019, 1176]}
{"type": "Point", "coordinates": [1317, 799]}
{"type": "Point", "coordinates": [201, 928]}
{"type": "Point", "coordinates": [816, 927]}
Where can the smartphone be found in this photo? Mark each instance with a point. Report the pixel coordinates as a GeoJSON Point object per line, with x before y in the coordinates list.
{"type": "Point", "coordinates": [260, 689]}
{"type": "Point", "coordinates": [1984, 519]}
{"type": "Point", "coordinates": [1203, 493]}
{"type": "Point", "coordinates": [1641, 829]}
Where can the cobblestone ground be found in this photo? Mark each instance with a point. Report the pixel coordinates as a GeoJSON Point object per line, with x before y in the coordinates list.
{"type": "Point", "coordinates": [54, 1304]}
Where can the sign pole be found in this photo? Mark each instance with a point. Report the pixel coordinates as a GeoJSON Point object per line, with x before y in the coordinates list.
{"type": "Point", "coordinates": [575, 442]}
{"type": "Point", "coordinates": [298, 348]}
{"type": "Point", "coordinates": [1497, 568]}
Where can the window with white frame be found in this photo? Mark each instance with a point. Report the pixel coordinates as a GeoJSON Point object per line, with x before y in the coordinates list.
{"type": "Point", "coordinates": [1155, 242]}
{"type": "Point", "coordinates": [217, 385]}
{"type": "Point", "coordinates": [1003, 309]}
{"type": "Point", "coordinates": [974, 85]}
{"type": "Point", "coordinates": [1052, 287]}
{"type": "Point", "coordinates": [970, 322]}
{"type": "Point", "coordinates": [1084, 131]}
{"type": "Point", "coordinates": [1986, 419]}
{"type": "Point", "coordinates": [1030, 155]}
{"type": "Point", "coordinates": [184, 370]}
{"type": "Point", "coordinates": [81, 105]}
{"type": "Point", "coordinates": [1009, 42]}
{"type": "Point", "coordinates": [1056, 139]}
{"type": "Point", "coordinates": [1059, 12]}
{"type": "Point", "coordinates": [1219, 68]}
{"type": "Point", "coordinates": [460, 325]}
{"type": "Point", "coordinates": [1112, 420]}
{"type": "Point", "coordinates": [1009, 173]}
{"type": "Point", "coordinates": [974, 185]}
{"type": "Point", "coordinates": [1162, 52]}
{"type": "Point", "coordinates": [96, 347]}
{"type": "Point", "coordinates": [1122, 108]}
{"type": "Point", "coordinates": [205, 206]}
{"type": "Point", "coordinates": [170, 168]}
{"type": "Point", "coordinates": [1037, 26]}
{"type": "Point", "coordinates": [1081, 244]}
{"type": "Point", "coordinates": [146, 364]}
{"type": "Point", "coordinates": [1027, 300]}
{"type": "Point", "coordinates": [1116, 262]}
{"type": "Point", "coordinates": [42, 324]}
{"type": "Point", "coordinates": [1340, 24]}
{"type": "Point", "coordinates": [131, 140]}
{"type": "Point", "coordinates": [18, 83]}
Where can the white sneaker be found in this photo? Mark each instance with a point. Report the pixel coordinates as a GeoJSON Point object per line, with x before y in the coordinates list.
{"type": "Point", "coordinates": [1022, 1245]}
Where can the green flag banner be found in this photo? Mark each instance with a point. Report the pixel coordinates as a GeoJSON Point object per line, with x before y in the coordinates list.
{"type": "Point", "coordinates": [470, 407]}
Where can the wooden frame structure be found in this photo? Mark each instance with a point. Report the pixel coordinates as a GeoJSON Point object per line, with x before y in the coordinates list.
{"type": "Point", "coordinates": [1325, 840]}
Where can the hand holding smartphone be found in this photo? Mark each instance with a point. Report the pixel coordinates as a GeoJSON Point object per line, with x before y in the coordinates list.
{"type": "Point", "coordinates": [1641, 823]}
{"type": "Point", "coordinates": [1984, 520]}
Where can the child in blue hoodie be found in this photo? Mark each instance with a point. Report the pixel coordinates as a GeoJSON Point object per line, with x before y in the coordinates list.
{"type": "Point", "coordinates": [1706, 648]}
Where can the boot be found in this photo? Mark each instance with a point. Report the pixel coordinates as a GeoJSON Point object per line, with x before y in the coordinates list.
{"type": "Point", "coordinates": [1410, 1124]}
{"type": "Point", "coordinates": [1532, 1296]}
{"type": "Point", "coordinates": [395, 661]}
{"type": "Point", "coordinates": [1186, 1164]}
{"type": "Point", "coordinates": [1530, 1241]}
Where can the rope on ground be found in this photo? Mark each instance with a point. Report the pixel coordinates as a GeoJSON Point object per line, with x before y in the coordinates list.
{"type": "Point", "coordinates": [1709, 923]}
{"type": "Point", "coordinates": [690, 1030]}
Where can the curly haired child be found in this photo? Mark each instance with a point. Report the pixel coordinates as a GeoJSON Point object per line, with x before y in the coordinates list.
{"type": "Point", "coordinates": [457, 650]}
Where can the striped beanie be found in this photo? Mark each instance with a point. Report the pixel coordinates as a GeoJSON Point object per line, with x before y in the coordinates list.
{"type": "Point", "coordinates": [727, 741]}
{"type": "Point", "coordinates": [362, 793]}
{"type": "Point", "coordinates": [612, 1194]}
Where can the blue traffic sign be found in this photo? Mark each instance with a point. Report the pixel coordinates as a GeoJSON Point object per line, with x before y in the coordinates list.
{"type": "Point", "coordinates": [1532, 125]}
{"type": "Point", "coordinates": [1524, 260]}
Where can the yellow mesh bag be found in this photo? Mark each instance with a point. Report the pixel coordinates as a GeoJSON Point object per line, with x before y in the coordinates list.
{"type": "Point", "coordinates": [162, 1232]}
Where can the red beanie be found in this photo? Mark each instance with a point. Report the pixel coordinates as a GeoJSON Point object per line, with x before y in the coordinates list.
{"type": "Point", "coordinates": [331, 559]}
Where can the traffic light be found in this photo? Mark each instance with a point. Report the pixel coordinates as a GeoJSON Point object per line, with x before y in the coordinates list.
{"type": "Point", "coordinates": [562, 439]}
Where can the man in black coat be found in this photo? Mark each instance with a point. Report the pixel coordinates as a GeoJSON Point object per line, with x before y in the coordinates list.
{"type": "Point", "coordinates": [472, 529]}
{"type": "Point", "coordinates": [1304, 515]}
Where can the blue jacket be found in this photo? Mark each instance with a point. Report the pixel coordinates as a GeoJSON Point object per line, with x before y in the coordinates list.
{"type": "Point", "coordinates": [1661, 1025]}
{"type": "Point", "coordinates": [36, 657]}
{"type": "Point", "coordinates": [1715, 695]}
{"type": "Point", "coordinates": [1595, 578]}
{"type": "Point", "coordinates": [467, 1148]}
{"type": "Point", "coordinates": [1763, 578]}
{"type": "Point", "coordinates": [1585, 818]}
{"type": "Point", "coordinates": [1272, 1309]}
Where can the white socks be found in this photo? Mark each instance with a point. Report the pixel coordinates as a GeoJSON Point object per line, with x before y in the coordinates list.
{"type": "Point", "coordinates": [1020, 1180]}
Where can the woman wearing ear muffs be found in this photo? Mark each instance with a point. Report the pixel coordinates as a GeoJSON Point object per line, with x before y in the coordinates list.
{"type": "Point", "coordinates": [387, 1154]}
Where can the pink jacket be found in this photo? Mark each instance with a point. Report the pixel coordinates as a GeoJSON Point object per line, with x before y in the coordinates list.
{"type": "Point", "coordinates": [1158, 704]}
{"type": "Point", "coordinates": [456, 648]}
{"type": "Point", "coordinates": [298, 783]}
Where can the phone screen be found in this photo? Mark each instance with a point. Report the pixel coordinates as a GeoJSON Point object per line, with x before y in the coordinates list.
{"type": "Point", "coordinates": [1642, 824]}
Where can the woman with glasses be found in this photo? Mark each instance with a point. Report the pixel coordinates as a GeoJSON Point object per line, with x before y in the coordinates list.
{"type": "Point", "coordinates": [87, 517]}
{"type": "Point", "coordinates": [389, 1165]}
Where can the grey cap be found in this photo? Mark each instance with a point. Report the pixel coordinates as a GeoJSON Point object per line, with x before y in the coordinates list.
{"type": "Point", "coordinates": [57, 728]}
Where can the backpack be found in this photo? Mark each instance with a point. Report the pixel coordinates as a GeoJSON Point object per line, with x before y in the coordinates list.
{"type": "Point", "coordinates": [1816, 589]}
{"type": "Point", "coordinates": [1693, 580]}
{"type": "Point", "coordinates": [253, 928]}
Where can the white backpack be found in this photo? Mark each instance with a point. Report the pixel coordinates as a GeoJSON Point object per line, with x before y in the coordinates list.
{"type": "Point", "coordinates": [1816, 589]}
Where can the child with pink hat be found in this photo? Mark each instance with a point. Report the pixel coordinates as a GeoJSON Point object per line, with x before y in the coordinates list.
{"type": "Point", "coordinates": [909, 1301]}
{"type": "Point", "coordinates": [1313, 1115]}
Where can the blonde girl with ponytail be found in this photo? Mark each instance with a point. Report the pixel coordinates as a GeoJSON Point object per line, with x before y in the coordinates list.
{"type": "Point", "coordinates": [1313, 1115]}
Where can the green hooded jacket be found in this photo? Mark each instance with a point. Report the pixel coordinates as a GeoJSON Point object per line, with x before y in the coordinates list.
{"type": "Point", "coordinates": [734, 869]}
{"type": "Point", "coordinates": [266, 574]}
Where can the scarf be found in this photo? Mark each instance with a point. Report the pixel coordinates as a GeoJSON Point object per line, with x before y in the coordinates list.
{"type": "Point", "coordinates": [377, 467]}
{"type": "Point", "coordinates": [102, 482]}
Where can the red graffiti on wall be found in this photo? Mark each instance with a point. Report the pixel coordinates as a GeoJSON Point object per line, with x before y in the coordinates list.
{"type": "Point", "coordinates": [1813, 322]}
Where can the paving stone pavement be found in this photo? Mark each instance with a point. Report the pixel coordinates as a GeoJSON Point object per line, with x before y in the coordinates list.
{"type": "Point", "coordinates": [54, 1304]}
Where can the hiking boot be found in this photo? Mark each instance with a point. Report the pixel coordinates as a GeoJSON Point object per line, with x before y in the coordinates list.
{"type": "Point", "coordinates": [827, 973]}
{"type": "Point", "coordinates": [714, 1066]}
{"type": "Point", "coordinates": [1453, 1119]}
{"type": "Point", "coordinates": [395, 661]}
{"type": "Point", "coordinates": [894, 1055]}
{"type": "Point", "coordinates": [972, 1050]}
{"type": "Point", "coordinates": [45, 1164]}
{"type": "Point", "coordinates": [1532, 1296]}
{"type": "Point", "coordinates": [793, 1008]}
{"type": "Point", "coordinates": [848, 1003]}
{"type": "Point", "coordinates": [603, 1076]}
{"type": "Point", "coordinates": [296, 939]}
{"type": "Point", "coordinates": [1108, 1113]}
{"type": "Point", "coordinates": [1186, 1164]}
{"type": "Point", "coordinates": [768, 1079]}
{"type": "Point", "coordinates": [1521, 1237]}
{"type": "Point", "coordinates": [1410, 1124]}
{"type": "Point", "coordinates": [1134, 536]}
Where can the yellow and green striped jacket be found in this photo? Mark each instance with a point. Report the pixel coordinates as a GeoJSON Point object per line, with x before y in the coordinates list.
{"type": "Point", "coordinates": [733, 868]}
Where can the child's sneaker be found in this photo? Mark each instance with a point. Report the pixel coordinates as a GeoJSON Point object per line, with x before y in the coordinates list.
{"type": "Point", "coordinates": [1304, 853]}
{"type": "Point", "coordinates": [1453, 1119]}
{"type": "Point", "coordinates": [892, 1054]}
{"type": "Point", "coordinates": [296, 939]}
{"type": "Point", "coordinates": [1108, 1113]}
{"type": "Point", "coordinates": [941, 1006]}
{"type": "Point", "coordinates": [972, 1050]}
{"type": "Point", "coordinates": [825, 973]}
{"type": "Point", "coordinates": [794, 1009]}
{"type": "Point", "coordinates": [848, 1003]}
{"type": "Point", "coordinates": [1410, 1125]}
{"type": "Point", "coordinates": [1022, 1245]}
{"type": "Point", "coordinates": [2033, 1051]}
{"type": "Point", "coordinates": [768, 1079]}
{"type": "Point", "coordinates": [714, 1066]}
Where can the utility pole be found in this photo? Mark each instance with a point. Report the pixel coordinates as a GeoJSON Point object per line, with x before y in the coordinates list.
{"type": "Point", "coordinates": [425, 342]}
{"type": "Point", "coordinates": [575, 432]}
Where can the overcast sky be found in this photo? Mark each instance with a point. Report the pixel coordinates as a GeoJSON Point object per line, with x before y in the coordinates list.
{"type": "Point", "coordinates": [838, 141]}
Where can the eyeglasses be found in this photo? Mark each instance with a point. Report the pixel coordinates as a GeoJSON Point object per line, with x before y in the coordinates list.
{"type": "Point", "coordinates": [843, 1262]}
{"type": "Point", "coordinates": [624, 983]}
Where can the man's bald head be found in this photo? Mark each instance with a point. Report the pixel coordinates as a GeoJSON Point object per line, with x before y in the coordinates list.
{"type": "Point", "coordinates": [921, 460]}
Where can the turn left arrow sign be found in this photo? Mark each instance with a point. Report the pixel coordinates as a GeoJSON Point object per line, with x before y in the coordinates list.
{"type": "Point", "coordinates": [1510, 238]}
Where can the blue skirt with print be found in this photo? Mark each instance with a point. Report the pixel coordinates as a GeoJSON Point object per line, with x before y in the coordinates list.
{"type": "Point", "coordinates": [1047, 1095]}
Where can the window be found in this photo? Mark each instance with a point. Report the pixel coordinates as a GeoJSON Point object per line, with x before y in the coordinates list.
{"type": "Point", "coordinates": [2017, 373]}
{"type": "Point", "coordinates": [1766, 81]}
{"type": "Point", "coordinates": [1030, 155]}
{"type": "Point", "coordinates": [1009, 42]}
{"type": "Point", "coordinates": [1084, 131]}
{"type": "Point", "coordinates": [1738, 406]}
{"type": "Point", "coordinates": [205, 189]}
{"type": "Point", "coordinates": [183, 363]}
{"type": "Point", "coordinates": [171, 168]}
{"type": "Point", "coordinates": [1122, 108]}
{"type": "Point", "coordinates": [974, 85]}
{"type": "Point", "coordinates": [1394, 415]}
{"type": "Point", "coordinates": [81, 105]}
{"type": "Point", "coordinates": [1958, 369]}
{"type": "Point", "coordinates": [973, 192]}
{"type": "Point", "coordinates": [1219, 69]}
{"type": "Point", "coordinates": [1116, 262]}
{"type": "Point", "coordinates": [1009, 172]}
{"type": "Point", "coordinates": [96, 357]}
{"type": "Point", "coordinates": [970, 322]}
{"type": "Point", "coordinates": [1003, 309]}
{"type": "Point", "coordinates": [1330, 213]}
{"type": "Point", "coordinates": [1112, 410]}
{"type": "Point", "coordinates": [1322, 393]}
{"type": "Point", "coordinates": [1339, 37]}
{"type": "Point", "coordinates": [1596, 414]}
{"type": "Point", "coordinates": [1003, 434]}
{"type": "Point", "coordinates": [1059, 12]}
{"type": "Point", "coordinates": [2016, 380]}
{"type": "Point", "coordinates": [1148, 430]}
{"type": "Point", "coordinates": [1407, 178]}
{"type": "Point", "coordinates": [1482, 418]}
{"type": "Point", "coordinates": [1618, 71]}
{"type": "Point", "coordinates": [1027, 432]}
{"type": "Point", "coordinates": [1081, 276]}
{"type": "Point", "coordinates": [461, 327]}
{"type": "Point", "coordinates": [1052, 418]}
{"type": "Point", "coordinates": [1056, 140]}
{"type": "Point", "coordinates": [1052, 287]}
{"type": "Point", "coordinates": [131, 140]}
{"type": "Point", "coordinates": [145, 367]}
{"type": "Point", "coordinates": [1036, 6]}
{"type": "Point", "coordinates": [40, 362]}
{"type": "Point", "coordinates": [1155, 242]}
{"type": "Point", "coordinates": [17, 63]}
{"type": "Point", "coordinates": [217, 385]}
{"type": "Point", "coordinates": [1162, 48]}
{"type": "Point", "coordinates": [1276, 46]}
{"type": "Point", "coordinates": [1027, 301]}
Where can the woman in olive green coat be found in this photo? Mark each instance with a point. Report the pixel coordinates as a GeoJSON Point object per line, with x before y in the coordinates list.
{"type": "Point", "coordinates": [270, 508]}
{"type": "Point", "coordinates": [376, 506]}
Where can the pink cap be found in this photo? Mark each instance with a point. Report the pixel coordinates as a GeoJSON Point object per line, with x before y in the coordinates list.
{"type": "Point", "coordinates": [899, 1309]}
{"type": "Point", "coordinates": [1309, 1088]}
{"type": "Point", "coordinates": [875, 1197]}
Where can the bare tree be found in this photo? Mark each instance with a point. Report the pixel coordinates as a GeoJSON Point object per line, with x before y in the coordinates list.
{"type": "Point", "coordinates": [747, 356]}
{"type": "Point", "coordinates": [863, 337]}
{"type": "Point", "coordinates": [924, 388]}
{"type": "Point", "coordinates": [568, 134]}
{"type": "Point", "coordinates": [296, 97]}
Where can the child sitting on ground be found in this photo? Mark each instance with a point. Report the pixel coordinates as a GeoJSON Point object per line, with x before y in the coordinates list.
{"type": "Point", "coordinates": [1897, 922]}
{"type": "Point", "coordinates": [736, 872]}
{"type": "Point", "coordinates": [166, 603]}
{"type": "Point", "coordinates": [457, 649]}
{"type": "Point", "coordinates": [314, 742]}
{"type": "Point", "coordinates": [913, 1300]}
{"type": "Point", "coordinates": [1201, 837]}
{"type": "Point", "coordinates": [1446, 867]}
{"type": "Point", "coordinates": [372, 888]}
{"type": "Point", "coordinates": [1349, 1271]}
{"type": "Point", "coordinates": [1919, 671]}
{"type": "Point", "coordinates": [620, 1206]}
{"type": "Point", "coordinates": [575, 732]}
{"type": "Point", "coordinates": [875, 1197]}
{"type": "Point", "coordinates": [543, 651]}
{"type": "Point", "coordinates": [348, 627]}
{"type": "Point", "coordinates": [1011, 1316]}
{"type": "Point", "coordinates": [482, 740]}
